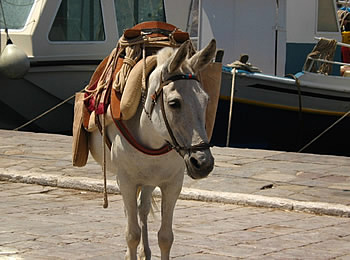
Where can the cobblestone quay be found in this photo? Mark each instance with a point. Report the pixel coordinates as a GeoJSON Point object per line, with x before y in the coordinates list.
{"type": "Point", "coordinates": [40, 222]}
{"type": "Point", "coordinates": [41, 219]}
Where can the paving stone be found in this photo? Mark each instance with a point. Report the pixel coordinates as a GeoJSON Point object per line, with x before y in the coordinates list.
{"type": "Point", "coordinates": [78, 223]}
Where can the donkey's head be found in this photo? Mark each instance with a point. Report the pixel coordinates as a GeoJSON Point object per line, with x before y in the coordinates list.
{"type": "Point", "coordinates": [179, 105]}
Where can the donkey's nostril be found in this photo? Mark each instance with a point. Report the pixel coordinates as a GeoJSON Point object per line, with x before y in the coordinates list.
{"type": "Point", "coordinates": [194, 162]}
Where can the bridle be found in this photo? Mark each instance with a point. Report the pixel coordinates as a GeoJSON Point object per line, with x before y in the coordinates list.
{"type": "Point", "coordinates": [158, 94]}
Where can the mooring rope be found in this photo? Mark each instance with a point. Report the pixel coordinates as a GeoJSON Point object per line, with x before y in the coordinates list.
{"type": "Point", "coordinates": [326, 130]}
{"type": "Point", "coordinates": [300, 116]}
{"type": "Point", "coordinates": [300, 110]}
{"type": "Point", "coordinates": [343, 15]}
{"type": "Point", "coordinates": [324, 49]}
{"type": "Point", "coordinates": [46, 112]}
{"type": "Point", "coordinates": [233, 72]}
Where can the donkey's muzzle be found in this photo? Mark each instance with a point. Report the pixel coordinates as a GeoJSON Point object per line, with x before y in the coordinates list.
{"type": "Point", "coordinates": [199, 163]}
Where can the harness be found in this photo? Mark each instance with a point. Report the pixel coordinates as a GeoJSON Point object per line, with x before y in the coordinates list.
{"type": "Point", "coordinates": [159, 93]}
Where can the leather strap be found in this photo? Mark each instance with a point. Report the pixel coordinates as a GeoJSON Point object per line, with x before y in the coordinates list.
{"type": "Point", "coordinates": [175, 145]}
{"type": "Point", "coordinates": [158, 92]}
{"type": "Point", "coordinates": [131, 140]}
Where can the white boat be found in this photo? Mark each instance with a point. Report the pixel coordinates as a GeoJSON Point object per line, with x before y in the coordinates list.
{"type": "Point", "coordinates": [276, 34]}
{"type": "Point", "coordinates": [269, 110]}
{"type": "Point", "coordinates": [64, 41]}
{"type": "Point", "coordinates": [302, 112]}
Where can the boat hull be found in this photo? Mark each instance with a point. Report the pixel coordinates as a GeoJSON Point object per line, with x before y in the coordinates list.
{"type": "Point", "coordinates": [40, 90]}
{"type": "Point", "coordinates": [268, 113]}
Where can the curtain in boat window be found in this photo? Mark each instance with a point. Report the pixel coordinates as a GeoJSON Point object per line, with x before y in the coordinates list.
{"type": "Point", "coordinates": [78, 20]}
{"type": "Point", "coordinates": [16, 13]}
{"type": "Point", "coordinates": [326, 16]}
{"type": "Point", "coordinates": [132, 12]}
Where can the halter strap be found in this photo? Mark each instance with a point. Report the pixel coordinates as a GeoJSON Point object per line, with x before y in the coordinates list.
{"type": "Point", "coordinates": [175, 145]}
{"type": "Point", "coordinates": [159, 94]}
{"type": "Point", "coordinates": [173, 78]}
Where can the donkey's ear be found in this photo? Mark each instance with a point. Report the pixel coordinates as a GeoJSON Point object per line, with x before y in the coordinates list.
{"type": "Point", "coordinates": [179, 58]}
{"type": "Point", "coordinates": [203, 57]}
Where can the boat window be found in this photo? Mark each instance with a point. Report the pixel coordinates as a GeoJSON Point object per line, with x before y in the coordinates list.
{"type": "Point", "coordinates": [16, 13]}
{"type": "Point", "coordinates": [327, 20]}
{"type": "Point", "coordinates": [78, 20]}
{"type": "Point", "coordinates": [132, 12]}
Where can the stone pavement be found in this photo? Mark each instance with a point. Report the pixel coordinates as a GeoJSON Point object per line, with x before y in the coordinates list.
{"type": "Point", "coordinates": [292, 181]}
{"type": "Point", "coordinates": [43, 222]}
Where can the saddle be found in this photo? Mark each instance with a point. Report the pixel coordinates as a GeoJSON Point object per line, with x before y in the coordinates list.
{"type": "Point", "coordinates": [115, 87]}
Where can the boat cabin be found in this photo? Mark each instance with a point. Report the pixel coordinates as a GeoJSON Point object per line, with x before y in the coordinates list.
{"type": "Point", "coordinates": [276, 34]}
{"type": "Point", "coordinates": [69, 30]}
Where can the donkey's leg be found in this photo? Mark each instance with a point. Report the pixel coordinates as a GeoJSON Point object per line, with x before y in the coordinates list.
{"type": "Point", "coordinates": [144, 209]}
{"type": "Point", "coordinates": [133, 231]}
{"type": "Point", "coordinates": [170, 193]}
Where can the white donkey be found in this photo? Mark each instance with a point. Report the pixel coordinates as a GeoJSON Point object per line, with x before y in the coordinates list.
{"type": "Point", "coordinates": [172, 115]}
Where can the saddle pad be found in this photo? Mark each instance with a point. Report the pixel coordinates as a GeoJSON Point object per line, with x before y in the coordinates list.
{"type": "Point", "coordinates": [80, 149]}
{"type": "Point", "coordinates": [210, 78]}
{"type": "Point", "coordinates": [132, 92]}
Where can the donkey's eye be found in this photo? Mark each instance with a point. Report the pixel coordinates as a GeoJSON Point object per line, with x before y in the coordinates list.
{"type": "Point", "coordinates": [174, 103]}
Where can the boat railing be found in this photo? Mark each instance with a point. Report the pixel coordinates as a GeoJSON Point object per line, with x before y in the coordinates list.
{"type": "Point", "coordinates": [313, 60]}
{"type": "Point", "coordinates": [326, 61]}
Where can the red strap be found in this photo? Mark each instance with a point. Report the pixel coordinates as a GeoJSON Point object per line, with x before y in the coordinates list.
{"type": "Point", "coordinates": [131, 140]}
